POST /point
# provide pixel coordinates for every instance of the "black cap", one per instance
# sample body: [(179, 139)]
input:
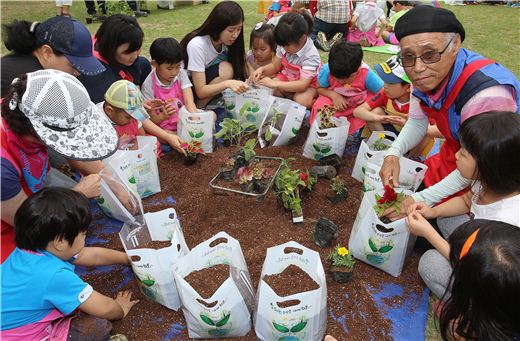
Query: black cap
[(423, 19)]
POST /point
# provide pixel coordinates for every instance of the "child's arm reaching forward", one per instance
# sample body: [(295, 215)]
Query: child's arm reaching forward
[(419, 226), (300, 85), (108, 308), (172, 139), (97, 256), (269, 69)]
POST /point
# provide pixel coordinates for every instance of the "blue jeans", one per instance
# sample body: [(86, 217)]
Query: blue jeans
[(327, 28)]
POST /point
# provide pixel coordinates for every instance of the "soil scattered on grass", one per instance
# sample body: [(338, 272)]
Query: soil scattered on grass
[(292, 280), (208, 280)]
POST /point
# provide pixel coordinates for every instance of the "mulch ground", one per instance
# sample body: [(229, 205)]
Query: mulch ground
[(353, 312)]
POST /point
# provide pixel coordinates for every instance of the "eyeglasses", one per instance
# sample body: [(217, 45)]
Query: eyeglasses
[(427, 58)]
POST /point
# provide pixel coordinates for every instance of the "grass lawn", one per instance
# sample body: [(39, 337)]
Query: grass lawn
[(490, 30)]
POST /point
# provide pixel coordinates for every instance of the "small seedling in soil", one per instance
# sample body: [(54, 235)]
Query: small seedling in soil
[(233, 130), (379, 144), (245, 179), (389, 199), (193, 150), (339, 190), (342, 264)]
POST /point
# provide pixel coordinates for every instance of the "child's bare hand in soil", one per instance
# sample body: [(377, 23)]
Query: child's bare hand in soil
[(124, 299)]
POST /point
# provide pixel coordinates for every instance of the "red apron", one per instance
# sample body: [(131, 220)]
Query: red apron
[(443, 163)]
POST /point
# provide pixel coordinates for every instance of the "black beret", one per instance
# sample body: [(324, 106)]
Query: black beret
[(424, 18)]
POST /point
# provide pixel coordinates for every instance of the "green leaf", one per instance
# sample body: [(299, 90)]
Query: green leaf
[(326, 149), (199, 134), (280, 328), (244, 108), (372, 245), (192, 135), (268, 135), (250, 143), (131, 180), (207, 320), (148, 282), (294, 131), (100, 200), (386, 248), (316, 147), (224, 320), (298, 327)]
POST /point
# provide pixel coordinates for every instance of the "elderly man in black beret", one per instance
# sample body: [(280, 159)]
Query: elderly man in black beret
[(450, 84)]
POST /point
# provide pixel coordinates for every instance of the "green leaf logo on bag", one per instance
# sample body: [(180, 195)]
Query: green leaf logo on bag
[(293, 330), (251, 118), (255, 108), (132, 180), (100, 200), (219, 331), (294, 131), (378, 256), (148, 280)]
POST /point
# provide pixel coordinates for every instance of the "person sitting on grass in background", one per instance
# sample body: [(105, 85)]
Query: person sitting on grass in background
[(124, 106), (345, 83), (363, 26), (169, 83), (297, 60), (42, 297), (388, 109), (262, 47), (485, 282), (330, 23), (215, 53), (489, 143), (400, 8)]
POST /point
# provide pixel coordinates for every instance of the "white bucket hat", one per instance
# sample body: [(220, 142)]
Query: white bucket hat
[(65, 119)]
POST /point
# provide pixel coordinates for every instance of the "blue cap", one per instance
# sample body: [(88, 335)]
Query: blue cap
[(73, 39), (391, 71)]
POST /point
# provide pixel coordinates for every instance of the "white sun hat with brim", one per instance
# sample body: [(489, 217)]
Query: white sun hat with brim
[(65, 119)]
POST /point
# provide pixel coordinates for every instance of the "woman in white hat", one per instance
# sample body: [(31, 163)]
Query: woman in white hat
[(48, 110)]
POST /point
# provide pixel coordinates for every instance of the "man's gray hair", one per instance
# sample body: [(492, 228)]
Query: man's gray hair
[(450, 37)]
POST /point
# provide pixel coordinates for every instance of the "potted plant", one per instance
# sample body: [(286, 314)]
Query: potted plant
[(272, 127), (260, 173), (380, 144), (339, 190), (227, 172), (233, 130), (246, 154), (245, 179), (342, 264), (325, 232), (389, 199), (326, 113), (288, 183), (193, 150)]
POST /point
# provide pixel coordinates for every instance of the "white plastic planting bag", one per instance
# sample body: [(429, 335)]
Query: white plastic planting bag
[(281, 124), (365, 152), (411, 173), (384, 246), (154, 268), (140, 164), (229, 98), (230, 316), (119, 200), (253, 104), (197, 126), (305, 320), (324, 142)]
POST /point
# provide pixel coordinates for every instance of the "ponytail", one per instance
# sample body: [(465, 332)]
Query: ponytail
[(19, 36), (292, 26)]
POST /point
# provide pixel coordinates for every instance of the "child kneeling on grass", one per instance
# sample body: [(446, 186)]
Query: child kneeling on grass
[(388, 109), (42, 297), (345, 83)]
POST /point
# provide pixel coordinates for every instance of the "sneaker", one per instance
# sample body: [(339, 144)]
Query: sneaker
[(118, 337), (140, 14), (337, 37), (322, 41)]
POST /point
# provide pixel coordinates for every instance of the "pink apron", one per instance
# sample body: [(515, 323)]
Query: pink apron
[(291, 72), (355, 93), (173, 94)]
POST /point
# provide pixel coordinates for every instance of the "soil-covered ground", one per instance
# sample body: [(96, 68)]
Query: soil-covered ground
[(353, 313)]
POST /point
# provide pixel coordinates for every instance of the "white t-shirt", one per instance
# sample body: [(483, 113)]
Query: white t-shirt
[(202, 54), (368, 14), (505, 210), (308, 58), (147, 87)]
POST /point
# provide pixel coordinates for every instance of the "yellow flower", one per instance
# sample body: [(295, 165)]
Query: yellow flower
[(382, 136), (342, 251)]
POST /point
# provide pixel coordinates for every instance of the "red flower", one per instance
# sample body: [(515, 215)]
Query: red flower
[(389, 196), (304, 176)]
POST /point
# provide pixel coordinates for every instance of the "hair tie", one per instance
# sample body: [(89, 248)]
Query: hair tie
[(468, 243), (258, 26), (33, 26)]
